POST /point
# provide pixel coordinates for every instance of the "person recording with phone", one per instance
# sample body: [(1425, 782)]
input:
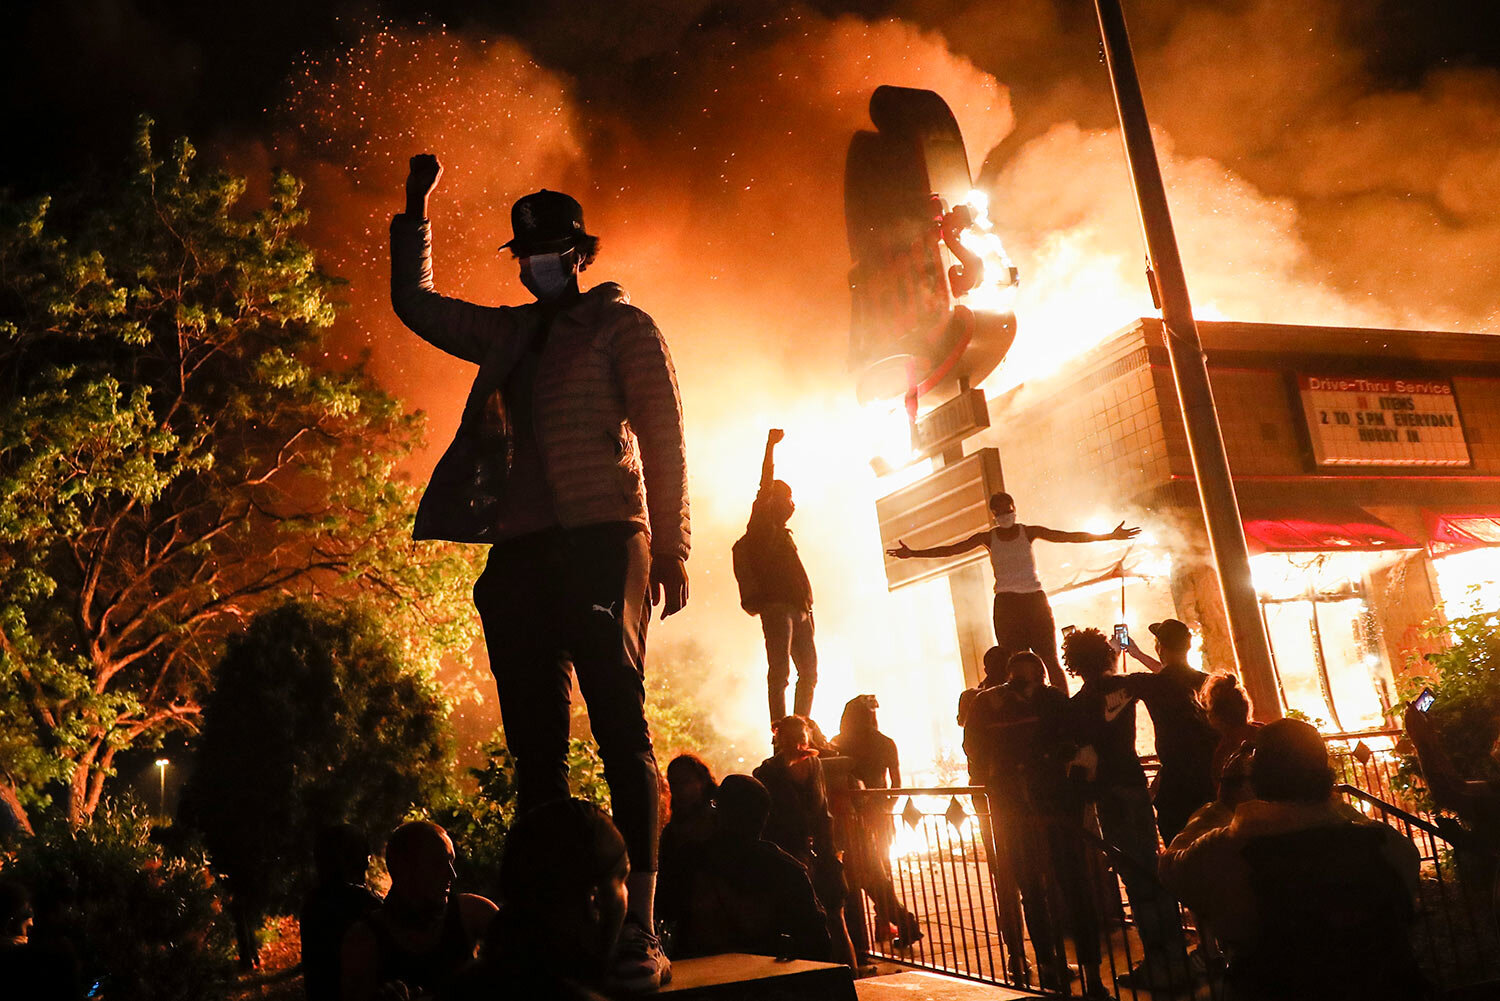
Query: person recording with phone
[(1185, 737), (1023, 616)]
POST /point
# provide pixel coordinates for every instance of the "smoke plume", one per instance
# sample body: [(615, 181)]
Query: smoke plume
[(708, 154)]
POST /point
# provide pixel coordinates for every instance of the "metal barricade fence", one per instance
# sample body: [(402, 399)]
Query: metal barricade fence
[(1456, 934), (1368, 760), (933, 885), (936, 882)]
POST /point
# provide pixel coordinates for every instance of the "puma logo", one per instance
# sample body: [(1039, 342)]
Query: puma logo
[(610, 611)]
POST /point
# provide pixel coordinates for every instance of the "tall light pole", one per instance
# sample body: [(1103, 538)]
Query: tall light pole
[(1221, 509), (161, 799)]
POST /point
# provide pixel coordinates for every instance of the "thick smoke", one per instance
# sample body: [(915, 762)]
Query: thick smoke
[(709, 158)]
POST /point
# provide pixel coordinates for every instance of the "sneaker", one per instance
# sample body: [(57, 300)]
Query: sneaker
[(640, 964)]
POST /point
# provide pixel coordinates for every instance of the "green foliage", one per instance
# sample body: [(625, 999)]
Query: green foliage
[(314, 720), (478, 812), (173, 455), (143, 920), (1465, 678), (478, 815), (679, 704)]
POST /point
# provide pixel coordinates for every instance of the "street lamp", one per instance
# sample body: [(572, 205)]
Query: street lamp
[(161, 801)]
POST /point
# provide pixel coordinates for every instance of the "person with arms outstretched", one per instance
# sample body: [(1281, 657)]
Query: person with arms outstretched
[(774, 585), (569, 462), (1023, 616)]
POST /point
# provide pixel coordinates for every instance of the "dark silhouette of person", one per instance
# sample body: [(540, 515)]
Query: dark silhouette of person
[(30, 969), (1310, 898), (1025, 742), (801, 822), (774, 585), (875, 763), (751, 896), (422, 934), (685, 837), (340, 897), (569, 461), (1105, 721), (1023, 616), (562, 909), (996, 664), (1185, 738), (1229, 714)]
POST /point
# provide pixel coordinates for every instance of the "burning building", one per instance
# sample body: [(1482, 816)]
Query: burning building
[(1367, 463)]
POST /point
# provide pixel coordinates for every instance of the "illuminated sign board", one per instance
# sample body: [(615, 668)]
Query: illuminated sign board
[(945, 507), (1382, 421)]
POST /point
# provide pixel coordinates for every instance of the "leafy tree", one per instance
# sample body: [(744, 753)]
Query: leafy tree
[(145, 922), (314, 719), (171, 459)]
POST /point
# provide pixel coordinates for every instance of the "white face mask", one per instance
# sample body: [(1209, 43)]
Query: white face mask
[(1005, 520), (549, 277)]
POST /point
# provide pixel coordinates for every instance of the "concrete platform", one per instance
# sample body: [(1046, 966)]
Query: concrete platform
[(919, 985), (742, 977)]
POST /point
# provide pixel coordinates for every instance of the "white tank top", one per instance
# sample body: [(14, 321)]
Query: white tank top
[(1015, 567)]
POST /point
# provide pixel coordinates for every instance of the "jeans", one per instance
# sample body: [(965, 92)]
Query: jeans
[(575, 597), (1126, 821), (1023, 621), (789, 640)]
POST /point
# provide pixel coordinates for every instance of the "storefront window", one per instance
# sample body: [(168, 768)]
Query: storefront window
[(1469, 581), (1319, 626)]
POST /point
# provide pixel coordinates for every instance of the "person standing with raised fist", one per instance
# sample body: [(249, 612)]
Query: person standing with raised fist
[(569, 463), (774, 586)]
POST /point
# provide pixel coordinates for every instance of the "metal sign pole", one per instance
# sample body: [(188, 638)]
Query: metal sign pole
[(1221, 511)]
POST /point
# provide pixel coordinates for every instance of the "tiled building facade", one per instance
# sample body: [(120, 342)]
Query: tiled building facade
[(1360, 556)]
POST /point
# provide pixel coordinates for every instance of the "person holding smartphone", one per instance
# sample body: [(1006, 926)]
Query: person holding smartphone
[(1023, 616)]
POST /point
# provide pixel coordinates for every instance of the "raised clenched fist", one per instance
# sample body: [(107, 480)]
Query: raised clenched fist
[(422, 177)]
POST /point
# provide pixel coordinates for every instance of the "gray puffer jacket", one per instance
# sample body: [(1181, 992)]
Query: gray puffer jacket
[(608, 415)]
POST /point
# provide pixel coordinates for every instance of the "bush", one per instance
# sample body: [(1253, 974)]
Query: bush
[(145, 921), (1465, 678), (315, 720)]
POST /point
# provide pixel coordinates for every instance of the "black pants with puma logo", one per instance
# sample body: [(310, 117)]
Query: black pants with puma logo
[(575, 598)]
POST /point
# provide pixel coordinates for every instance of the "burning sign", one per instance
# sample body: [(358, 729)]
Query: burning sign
[(920, 323)]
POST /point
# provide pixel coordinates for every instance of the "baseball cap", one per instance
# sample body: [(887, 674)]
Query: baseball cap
[(1171, 632), (544, 222)]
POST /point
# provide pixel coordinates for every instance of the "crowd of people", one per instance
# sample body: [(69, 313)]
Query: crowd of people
[(1291, 890), (770, 863), (569, 463), (1295, 894)]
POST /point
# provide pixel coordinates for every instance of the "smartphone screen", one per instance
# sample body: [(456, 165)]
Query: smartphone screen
[(1069, 630), (1122, 634), (1425, 700)]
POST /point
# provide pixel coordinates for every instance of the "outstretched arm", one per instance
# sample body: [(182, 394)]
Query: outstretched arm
[(768, 464), (1053, 535), (904, 552), (460, 328), (1147, 661)]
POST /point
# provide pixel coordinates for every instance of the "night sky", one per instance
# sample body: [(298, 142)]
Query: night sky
[(77, 72), (1327, 162)]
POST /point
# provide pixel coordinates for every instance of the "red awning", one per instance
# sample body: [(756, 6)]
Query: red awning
[(1322, 529), (1465, 530)]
